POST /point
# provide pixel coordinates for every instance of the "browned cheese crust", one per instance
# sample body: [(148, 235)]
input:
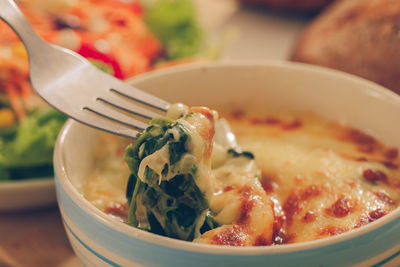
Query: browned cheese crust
[(361, 37)]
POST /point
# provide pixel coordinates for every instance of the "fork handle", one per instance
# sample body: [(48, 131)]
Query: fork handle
[(11, 14)]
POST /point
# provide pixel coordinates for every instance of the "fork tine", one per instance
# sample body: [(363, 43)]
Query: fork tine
[(116, 116), (93, 120), (140, 96), (120, 102)]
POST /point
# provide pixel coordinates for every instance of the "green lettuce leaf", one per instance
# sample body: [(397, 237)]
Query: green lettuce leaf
[(175, 23), (29, 153)]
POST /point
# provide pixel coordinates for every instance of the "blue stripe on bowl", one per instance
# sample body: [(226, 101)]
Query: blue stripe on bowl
[(388, 259), (347, 252), (85, 261), (110, 262)]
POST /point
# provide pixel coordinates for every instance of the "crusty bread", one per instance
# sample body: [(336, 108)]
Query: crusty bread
[(357, 36), (303, 6)]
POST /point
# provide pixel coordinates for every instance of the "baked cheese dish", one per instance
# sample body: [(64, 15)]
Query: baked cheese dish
[(305, 178)]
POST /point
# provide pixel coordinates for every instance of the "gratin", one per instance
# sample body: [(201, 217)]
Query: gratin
[(310, 178)]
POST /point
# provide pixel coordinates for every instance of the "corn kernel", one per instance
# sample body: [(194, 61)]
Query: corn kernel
[(19, 50), (7, 118)]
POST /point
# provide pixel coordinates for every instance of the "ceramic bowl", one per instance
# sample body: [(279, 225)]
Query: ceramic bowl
[(99, 240)]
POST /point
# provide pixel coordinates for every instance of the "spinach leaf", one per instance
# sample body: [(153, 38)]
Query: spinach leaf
[(171, 205)]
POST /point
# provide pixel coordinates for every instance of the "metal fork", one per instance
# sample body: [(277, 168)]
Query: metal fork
[(72, 85)]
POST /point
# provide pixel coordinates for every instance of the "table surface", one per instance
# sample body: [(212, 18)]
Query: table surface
[(37, 237)]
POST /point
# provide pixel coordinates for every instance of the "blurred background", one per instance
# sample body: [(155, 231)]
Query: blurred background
[(128, 37)]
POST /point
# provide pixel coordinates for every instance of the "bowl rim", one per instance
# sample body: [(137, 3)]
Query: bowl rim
[(135, 233)]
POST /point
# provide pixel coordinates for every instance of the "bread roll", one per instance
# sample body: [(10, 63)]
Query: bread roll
[(304, 6), (357, 36)]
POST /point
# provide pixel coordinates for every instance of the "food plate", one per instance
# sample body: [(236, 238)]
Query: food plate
[(27, 194)]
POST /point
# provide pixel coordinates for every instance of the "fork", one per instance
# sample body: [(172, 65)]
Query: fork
[(75, 87)]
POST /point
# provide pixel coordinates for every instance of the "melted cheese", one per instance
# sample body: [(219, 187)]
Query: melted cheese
[(240, 205), (239, 202), (105, 187), (201, 131), (325, 178)]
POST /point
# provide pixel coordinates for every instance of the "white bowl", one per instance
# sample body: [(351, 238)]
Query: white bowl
[(99, 240)]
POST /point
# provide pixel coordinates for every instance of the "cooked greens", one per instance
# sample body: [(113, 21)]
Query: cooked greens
[(162, 191)]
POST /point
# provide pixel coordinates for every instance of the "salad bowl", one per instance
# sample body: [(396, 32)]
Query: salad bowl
[(100, 240)]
